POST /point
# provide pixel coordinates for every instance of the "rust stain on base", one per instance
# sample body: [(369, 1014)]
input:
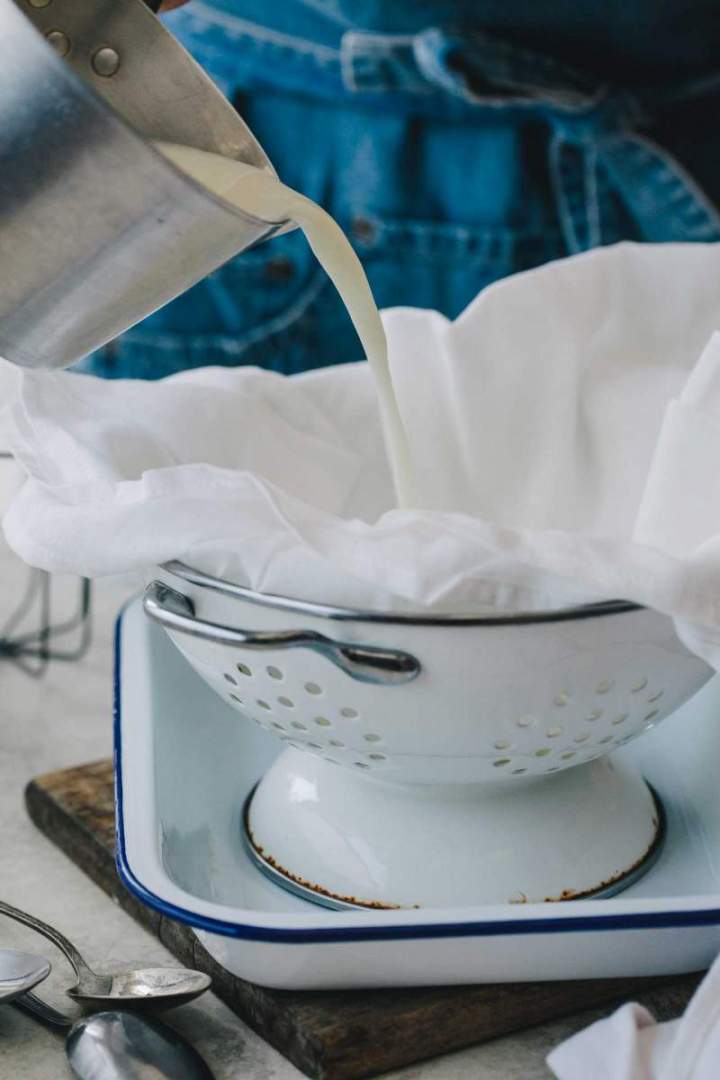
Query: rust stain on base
[(374, 905), (380, 905), (571, 894), (584, 894)]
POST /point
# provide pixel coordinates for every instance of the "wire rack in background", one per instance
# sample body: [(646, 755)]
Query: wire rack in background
[(34, 647), (31, 638)]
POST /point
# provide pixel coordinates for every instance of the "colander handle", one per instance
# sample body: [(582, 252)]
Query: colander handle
[(366, 663)]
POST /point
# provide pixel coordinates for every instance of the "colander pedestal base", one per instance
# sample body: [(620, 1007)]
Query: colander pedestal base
[(347, 840)]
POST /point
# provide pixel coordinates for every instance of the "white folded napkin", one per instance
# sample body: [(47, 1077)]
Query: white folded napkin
[(631, 1045), (564, 431)]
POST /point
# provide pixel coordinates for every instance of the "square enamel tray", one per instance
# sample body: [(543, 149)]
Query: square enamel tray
[(185, 763)]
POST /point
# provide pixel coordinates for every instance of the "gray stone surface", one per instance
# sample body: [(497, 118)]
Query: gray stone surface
[(64, 719)]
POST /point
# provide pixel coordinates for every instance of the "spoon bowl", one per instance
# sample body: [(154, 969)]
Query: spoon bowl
[(121, 1045), (138, 987), (20, 972), (116, 1045), (143, 986)]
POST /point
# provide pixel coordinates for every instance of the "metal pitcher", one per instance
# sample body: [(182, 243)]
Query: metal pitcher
[(98, 229)]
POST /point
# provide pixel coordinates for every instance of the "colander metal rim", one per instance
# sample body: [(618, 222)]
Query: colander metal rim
[(177, 568)]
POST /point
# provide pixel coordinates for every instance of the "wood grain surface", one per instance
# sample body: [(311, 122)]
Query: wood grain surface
[(330, 1035)]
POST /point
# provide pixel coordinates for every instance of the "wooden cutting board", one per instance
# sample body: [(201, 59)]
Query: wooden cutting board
[(329, 1035)]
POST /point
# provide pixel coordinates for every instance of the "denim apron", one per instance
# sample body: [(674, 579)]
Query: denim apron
[(451, 159)]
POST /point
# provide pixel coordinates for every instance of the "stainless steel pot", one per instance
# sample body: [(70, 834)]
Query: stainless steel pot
[(97, 229)]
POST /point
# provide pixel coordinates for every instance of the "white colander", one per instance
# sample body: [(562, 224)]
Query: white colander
[(436, 760)]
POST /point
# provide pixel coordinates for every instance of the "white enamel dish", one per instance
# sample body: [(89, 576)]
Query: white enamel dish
[(185, 767)]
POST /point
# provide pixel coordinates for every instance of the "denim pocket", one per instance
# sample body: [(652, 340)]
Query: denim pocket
[(442, 265)]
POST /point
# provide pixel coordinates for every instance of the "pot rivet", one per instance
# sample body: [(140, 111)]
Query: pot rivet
[(59, 41), (105, 61)]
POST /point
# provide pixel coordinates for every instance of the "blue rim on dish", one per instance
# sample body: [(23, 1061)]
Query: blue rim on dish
[(316, 935)]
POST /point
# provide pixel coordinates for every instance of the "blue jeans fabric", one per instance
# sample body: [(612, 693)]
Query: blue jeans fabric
[(450, 157)]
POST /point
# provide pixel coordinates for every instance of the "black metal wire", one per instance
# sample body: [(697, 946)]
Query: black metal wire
[(33, 650)]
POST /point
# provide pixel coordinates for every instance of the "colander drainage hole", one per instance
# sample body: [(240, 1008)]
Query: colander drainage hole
[(517, 772), (553, 732), (274, 672), (582, 738), (639, 685), (620, 719), (501, 761), (502, 745), (313, 688), (568, 754), (652, 715), (287, 702), (655, 697), (604, 687), (594, 715), (244, 669), (322, 721), (229, 678), (336, 743), (297, 725), (278, 726), (361, 765), (349, 713), (377, 757), (561, 699), (543, 751), (263, 704), (371, 737), (236, 698)]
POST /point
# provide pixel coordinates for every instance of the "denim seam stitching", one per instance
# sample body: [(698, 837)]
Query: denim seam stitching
[(558, 172), (671, 175), (592, 204), (263, 35)]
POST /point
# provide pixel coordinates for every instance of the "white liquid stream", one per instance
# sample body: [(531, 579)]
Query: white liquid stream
[(263, 196)]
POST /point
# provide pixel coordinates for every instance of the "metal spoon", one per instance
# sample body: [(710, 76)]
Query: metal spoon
[(159, 987), (19, 972), (35, 1006), (121, 1046), (126, 1046)]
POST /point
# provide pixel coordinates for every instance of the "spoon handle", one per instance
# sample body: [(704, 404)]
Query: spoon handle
[(65, 946), (35, 1006)]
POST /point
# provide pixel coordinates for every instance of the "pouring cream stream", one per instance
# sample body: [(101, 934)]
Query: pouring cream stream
[(260, 194)]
